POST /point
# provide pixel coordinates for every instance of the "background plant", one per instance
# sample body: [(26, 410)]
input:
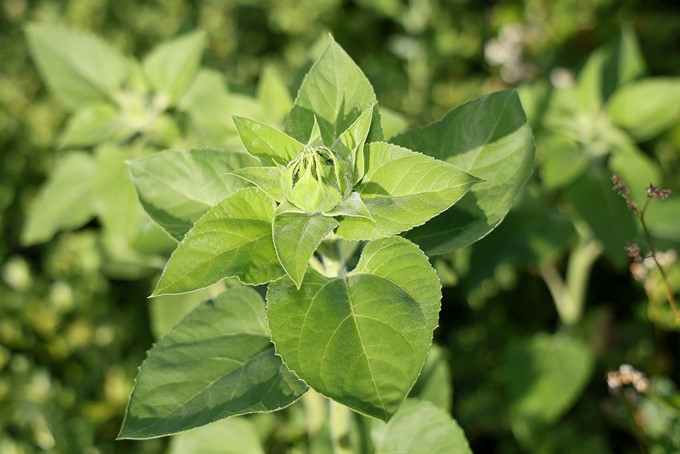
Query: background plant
[(436, 57)]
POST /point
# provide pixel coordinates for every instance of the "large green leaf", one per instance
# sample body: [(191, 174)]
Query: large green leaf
[(217, 362), (266, 178), (79, 68), (178, 187), (545, 375), (647, 107), (233, 239), (296, 237), (335, 92), (420, 426), (266, 143), (65, 201), (402, 189), (489, 138), (360, 339), (173, 65)]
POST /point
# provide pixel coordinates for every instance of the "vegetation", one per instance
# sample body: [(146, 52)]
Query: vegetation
[(546, 340)]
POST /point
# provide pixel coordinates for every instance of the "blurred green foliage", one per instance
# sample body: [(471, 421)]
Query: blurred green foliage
[(549, 283)]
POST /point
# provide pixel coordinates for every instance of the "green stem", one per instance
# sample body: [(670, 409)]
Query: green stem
[(339, 424), (570, 296)]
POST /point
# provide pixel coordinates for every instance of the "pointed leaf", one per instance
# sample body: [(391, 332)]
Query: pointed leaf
[(350, 144), (178, 187), (172, 66), (646, 108), (419, 424), (360, 339), (233, 239), (336, 92), (623, 62), (402, 189), (266, 178), (296, 237), (489, 138), (217, 362), (91, 125), (65, 201), (266, 143), (79, 68), (273, 95), (351, 206)]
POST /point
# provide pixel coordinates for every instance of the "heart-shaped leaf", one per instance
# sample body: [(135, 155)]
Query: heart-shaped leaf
[(360, 339), (233, 239), (402, 189), (217, 362)]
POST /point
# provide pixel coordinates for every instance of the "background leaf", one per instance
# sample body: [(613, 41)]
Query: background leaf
[(91, 125), (79, 68), (360, 339), (489, 138), (233, 239), (402, 189), (552, 374), (178, 187), (217, 362), (241, 433), (173, 65), (336, 92), (420, 426), (647, 107), (65, 201)]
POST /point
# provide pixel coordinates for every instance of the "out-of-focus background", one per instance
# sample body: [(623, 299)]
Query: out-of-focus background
[(534, 316)]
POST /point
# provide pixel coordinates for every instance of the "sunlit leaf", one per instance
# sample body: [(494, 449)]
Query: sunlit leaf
[(360, 339), (233, 239)]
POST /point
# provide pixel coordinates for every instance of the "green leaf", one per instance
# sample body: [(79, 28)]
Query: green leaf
[(268, 144), (360, 339), (646, 108), (79, 68), (638, 171), (296, 237), (591, 197), (65, 201), (402, 189), (350, 144), (217, 362), (240, 431), (233, 239), (172, 66), (420, 426), (178, 187), (337, 93), (623, 62), (351, 206), (489, 138), (91, 125), (434, 383), (266, 178), (392, 123), (545, 375), (273, 95)]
